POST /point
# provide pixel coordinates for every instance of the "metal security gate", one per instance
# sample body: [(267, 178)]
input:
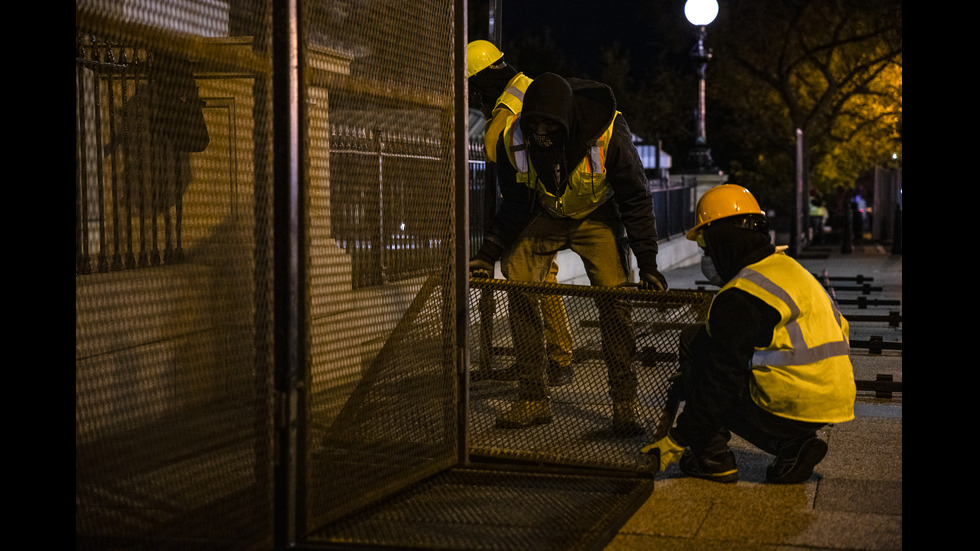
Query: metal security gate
[(566, 485), (580, 433), (271, 350), (174, 362), (501, 509)]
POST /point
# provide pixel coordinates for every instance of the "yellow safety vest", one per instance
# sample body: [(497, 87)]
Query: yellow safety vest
[(805, 373), (587, 187), (508, 104)]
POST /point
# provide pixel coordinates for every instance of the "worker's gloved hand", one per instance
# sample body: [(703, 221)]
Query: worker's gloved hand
[(480, 267), (668, 451), (652, 280)]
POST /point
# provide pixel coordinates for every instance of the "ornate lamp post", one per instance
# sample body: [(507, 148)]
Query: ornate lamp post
[(701, 13)]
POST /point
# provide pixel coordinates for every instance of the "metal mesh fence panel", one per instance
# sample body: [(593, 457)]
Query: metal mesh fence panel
[(563, 485), (581, 431), (481, 509), (398, 424), (182, 392), (173, 286), (380, 113)]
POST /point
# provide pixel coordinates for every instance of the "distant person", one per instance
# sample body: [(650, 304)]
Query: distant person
[(859, 208), (771, 364), (818, 219), (500, 88), (572, 179)]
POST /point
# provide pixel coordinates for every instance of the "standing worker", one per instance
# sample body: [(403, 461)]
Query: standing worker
[(572, 180), (771, 364), (500, 89)]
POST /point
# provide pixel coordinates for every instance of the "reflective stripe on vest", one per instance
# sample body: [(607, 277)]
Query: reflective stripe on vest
[(517, 148), (805, 372), (510, 102), (800, 353), (512, 98)]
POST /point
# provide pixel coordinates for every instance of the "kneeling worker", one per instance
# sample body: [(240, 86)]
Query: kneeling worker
[(771, 364)]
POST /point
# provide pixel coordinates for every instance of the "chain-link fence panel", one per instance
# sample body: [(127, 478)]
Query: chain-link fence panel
[(399, 423), (173, 284), (592, 401), (380, 123), (214, 410), (485, 509), (564, 484)]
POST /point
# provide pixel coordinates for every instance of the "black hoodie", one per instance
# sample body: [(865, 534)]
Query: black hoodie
[(584, 109), (738, 323), (732, 247)]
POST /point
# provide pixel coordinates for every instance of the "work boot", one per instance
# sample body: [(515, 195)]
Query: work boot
[(720, 467), (795, 464), (524, 413), (626, 418), (559, 375)]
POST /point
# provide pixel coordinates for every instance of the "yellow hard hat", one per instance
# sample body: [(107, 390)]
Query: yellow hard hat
[(721, 202), (481, 54)]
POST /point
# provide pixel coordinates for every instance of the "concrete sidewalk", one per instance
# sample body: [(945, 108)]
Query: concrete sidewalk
[(854, 499)]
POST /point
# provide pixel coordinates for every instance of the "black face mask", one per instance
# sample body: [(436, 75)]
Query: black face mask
[(475, 99), (547, 154), (551, 141), (547, 151), (548, 100), (732, 248)]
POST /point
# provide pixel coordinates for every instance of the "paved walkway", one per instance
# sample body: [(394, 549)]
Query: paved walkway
[(854, 499)]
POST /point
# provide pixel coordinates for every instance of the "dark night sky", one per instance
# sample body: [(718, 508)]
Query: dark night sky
[(581, 27)]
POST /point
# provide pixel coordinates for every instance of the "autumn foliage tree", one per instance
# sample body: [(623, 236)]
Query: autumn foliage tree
[(830, 68)]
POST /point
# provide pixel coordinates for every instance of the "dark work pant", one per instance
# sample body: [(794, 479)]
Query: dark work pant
[(770, 433)]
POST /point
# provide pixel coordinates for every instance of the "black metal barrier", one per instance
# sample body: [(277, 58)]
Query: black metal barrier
[(883, 385), (494, 509), (582, 410), (876, 344), (568, 484)]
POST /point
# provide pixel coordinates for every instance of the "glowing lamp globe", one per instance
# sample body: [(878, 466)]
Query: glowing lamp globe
[(701, 12)]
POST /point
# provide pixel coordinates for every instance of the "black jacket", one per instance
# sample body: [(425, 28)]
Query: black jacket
[(739, 323)]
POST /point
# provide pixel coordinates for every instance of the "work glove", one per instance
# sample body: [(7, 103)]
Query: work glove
[(668, 452), (481, 268), (652, 280), (481, 265)]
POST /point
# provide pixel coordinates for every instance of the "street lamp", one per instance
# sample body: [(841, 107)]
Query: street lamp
[(701, 13)]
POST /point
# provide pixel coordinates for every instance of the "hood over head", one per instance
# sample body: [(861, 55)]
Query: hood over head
[(733, 244), (583, 109), (548, 97), (593, 110)]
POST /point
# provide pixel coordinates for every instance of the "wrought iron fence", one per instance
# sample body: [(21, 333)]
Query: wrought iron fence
[(378, 217), (483, 193), (673, 205), (137, 119)]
